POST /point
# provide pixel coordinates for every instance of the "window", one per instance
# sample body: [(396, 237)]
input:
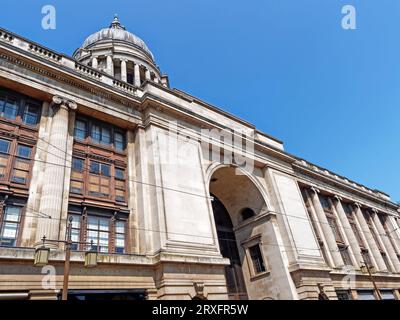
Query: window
[(10, 226), (344, 252), (366, 295), (98, 231), (247, 213), (80, 130), (8, 107), (120, 185), (31, 114), (343, 295), (99, 133), (335, 228), (22, 164), (119, 236), (75, 232), (348, 210), (101, 230), (387, 295), (77, 176), (325, 203), (366, 257), (14, 106), (257, 259), (119, 142), (4, 156), (99, 179)]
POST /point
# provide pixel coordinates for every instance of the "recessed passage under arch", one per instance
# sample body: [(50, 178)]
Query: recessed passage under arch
[(232, 195)]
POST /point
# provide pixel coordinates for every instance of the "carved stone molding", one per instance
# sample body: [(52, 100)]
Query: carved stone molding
[(315, 190), (61, 102), (199, 288), (337, 198)]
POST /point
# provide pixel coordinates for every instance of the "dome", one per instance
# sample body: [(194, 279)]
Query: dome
[(117, 32)]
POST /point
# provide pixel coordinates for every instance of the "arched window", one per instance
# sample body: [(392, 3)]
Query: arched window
[(247, 213)]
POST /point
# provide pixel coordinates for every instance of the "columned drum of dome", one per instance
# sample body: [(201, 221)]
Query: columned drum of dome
[(121, 54)]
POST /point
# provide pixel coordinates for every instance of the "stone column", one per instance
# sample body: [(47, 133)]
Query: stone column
[(110, 66), (156, 79), (54, 172), (137, 75), (353, 242), (387, 244), (95, 62), (123, 70), (394, 230), (148, 75), (374, 250), (326, 229), (317, 226)]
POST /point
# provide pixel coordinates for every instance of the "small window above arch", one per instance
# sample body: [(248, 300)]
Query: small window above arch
[(247, 213)]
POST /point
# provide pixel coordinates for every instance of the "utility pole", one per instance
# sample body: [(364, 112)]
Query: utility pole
[(67, 260), (42, 256), (378, 293)]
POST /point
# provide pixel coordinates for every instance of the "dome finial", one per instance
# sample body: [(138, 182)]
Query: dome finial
[(116, 24)]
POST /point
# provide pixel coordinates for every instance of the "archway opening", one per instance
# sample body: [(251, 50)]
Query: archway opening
[(236, 200)]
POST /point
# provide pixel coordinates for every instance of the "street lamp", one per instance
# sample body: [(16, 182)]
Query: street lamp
[(42, 257), (91, 257)]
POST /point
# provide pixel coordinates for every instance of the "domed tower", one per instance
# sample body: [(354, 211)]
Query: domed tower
[(121, 54)]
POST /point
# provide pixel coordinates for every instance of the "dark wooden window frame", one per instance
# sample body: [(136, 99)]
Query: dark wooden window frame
[(90, 122), (13, 159), (23, 102), (86, 173)]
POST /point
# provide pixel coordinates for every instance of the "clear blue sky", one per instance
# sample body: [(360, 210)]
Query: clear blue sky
[(331, 95)]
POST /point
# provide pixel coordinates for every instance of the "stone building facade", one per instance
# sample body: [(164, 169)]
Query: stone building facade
[(180, 199)]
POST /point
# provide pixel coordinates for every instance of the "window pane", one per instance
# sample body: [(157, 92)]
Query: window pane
[(105, 135), (2, 102), (94, 167), (77, 164), (103, 224), (30, 114), (119, 141), (105, 170), (120, 227), (325, 203), (12, 213), (80, 129), (119, 173), (96, 133), (19, 176), (24, 151), (256, 257), (10, 230), (4, 146), (10, 109)]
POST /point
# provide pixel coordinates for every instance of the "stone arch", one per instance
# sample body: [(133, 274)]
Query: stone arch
[(233, 190)]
